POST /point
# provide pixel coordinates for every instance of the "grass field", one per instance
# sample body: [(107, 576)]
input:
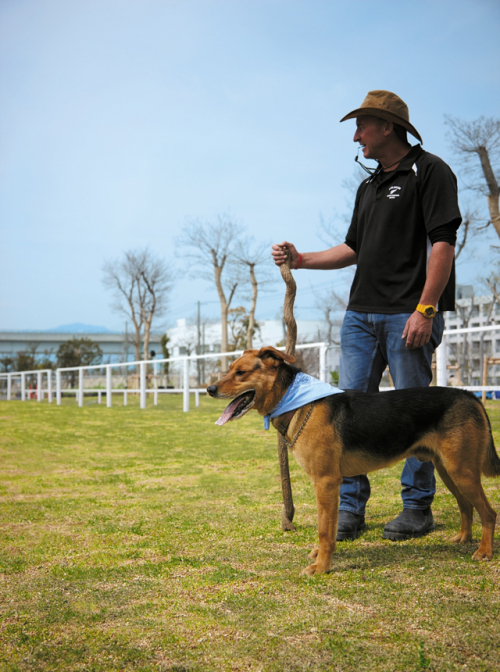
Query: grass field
[(151, 540)]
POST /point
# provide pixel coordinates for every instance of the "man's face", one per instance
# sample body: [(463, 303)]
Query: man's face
[(371, 135)]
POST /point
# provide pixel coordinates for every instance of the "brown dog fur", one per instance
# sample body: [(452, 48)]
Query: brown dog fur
[(330, 446)]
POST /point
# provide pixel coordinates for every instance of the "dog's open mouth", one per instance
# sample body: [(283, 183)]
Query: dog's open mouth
[(238, 407)]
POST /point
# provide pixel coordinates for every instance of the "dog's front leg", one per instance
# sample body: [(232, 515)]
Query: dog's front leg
[(327, 497)]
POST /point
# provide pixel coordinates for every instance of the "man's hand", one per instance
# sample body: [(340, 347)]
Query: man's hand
[(417, 331), (279, 255)]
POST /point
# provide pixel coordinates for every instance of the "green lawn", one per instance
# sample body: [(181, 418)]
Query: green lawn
[(151, 540)]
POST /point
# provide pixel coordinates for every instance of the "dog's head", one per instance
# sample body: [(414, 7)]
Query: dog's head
[(258, 379)]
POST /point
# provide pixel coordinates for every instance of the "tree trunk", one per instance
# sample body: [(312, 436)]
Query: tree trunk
[(224, 336), (147, 336), (493, 188), (137, 342), (494, 212), (251, 315), (291, 340), (223, 312)]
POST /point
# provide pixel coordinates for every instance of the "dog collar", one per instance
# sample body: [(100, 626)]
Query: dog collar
[(284, 421)]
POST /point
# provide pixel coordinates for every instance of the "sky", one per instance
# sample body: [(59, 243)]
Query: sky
[(123, 120)]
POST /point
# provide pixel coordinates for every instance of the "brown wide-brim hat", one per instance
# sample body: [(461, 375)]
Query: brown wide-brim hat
[(388, 106)]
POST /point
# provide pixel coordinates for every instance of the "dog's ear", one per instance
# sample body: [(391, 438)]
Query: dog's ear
[(268, 352)]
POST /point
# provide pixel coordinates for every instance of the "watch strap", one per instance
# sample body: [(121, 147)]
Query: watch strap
[(427, 311)]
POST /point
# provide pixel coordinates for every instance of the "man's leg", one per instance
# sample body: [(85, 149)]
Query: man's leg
[(411, 368), (361, 368)]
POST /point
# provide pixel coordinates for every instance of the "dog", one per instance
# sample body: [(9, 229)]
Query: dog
[(351, 433)]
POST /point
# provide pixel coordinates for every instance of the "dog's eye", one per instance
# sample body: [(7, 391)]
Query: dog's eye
[(240, 373)]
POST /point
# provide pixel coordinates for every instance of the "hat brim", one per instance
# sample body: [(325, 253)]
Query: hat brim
[(384, 114)]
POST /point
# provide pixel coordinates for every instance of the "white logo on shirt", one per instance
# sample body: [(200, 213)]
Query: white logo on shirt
[(393, 192)]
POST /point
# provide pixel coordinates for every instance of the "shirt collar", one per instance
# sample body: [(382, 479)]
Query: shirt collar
[(404, 165)]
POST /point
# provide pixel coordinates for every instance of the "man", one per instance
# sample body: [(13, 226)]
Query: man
[(402, 237)]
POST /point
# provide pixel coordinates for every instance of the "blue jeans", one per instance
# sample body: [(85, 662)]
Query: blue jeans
[(368, 343)]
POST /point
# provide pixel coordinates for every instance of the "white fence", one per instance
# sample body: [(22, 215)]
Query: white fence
[(28, 392), (39, 384), (442, 357), (78, 373)]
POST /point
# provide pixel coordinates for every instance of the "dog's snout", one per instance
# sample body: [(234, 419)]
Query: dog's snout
[(212, 390)]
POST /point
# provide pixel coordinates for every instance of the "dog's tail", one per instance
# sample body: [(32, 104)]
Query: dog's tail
[(491, 465)]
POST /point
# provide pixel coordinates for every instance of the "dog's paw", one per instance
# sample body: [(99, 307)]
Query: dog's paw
[(311, 570), (313, 554), (482, 554), (461, 538)]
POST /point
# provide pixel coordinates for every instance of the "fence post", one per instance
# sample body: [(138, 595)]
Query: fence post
[(142, 384), (125, 396), (80, 387), (441, 360), (322, 362), (58, 387), (109, 401), (9, 386), (185, 406), (49, 386), (197, 397), (23, 387), (38, 385), (155, 371), (485, 378)]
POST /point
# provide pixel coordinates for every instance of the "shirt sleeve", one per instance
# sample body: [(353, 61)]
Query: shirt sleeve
[(439, 196), (351, 239), (447, 233)]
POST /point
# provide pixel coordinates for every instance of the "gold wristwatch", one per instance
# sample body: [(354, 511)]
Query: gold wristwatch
[(427, 311)]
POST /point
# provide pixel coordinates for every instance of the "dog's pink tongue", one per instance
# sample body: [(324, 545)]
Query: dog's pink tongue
[(228, 412)]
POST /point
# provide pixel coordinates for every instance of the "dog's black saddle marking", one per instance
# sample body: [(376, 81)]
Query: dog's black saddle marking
[(386, 424)]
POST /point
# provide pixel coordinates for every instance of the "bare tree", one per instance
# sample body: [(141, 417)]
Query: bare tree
[(330, 303), (211, 247), (477, 145), (493, 283), (140, 282), (472, 225), (332, 231), (255, 257)]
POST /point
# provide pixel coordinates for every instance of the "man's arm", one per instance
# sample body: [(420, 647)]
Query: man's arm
[(339, 256), (418, 328)]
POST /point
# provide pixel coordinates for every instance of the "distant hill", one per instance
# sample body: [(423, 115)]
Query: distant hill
[(79, 328)]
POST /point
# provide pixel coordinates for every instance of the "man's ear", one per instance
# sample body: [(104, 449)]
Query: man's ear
[(268, 352)]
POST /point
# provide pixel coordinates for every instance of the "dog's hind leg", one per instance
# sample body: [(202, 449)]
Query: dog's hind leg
[(466, 509), (327, 497), (468, 481)]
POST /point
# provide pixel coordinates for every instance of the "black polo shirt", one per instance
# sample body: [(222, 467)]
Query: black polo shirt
[(394, 215)]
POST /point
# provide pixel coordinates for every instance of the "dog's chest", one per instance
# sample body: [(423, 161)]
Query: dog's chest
[(301, 455)]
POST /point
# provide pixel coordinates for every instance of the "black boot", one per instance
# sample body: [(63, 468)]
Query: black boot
[(350, 525), (410, 524)]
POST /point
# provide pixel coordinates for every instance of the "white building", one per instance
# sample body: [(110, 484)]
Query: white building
[(467, 351)]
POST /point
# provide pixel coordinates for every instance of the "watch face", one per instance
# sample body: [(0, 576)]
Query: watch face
[(429, 311)]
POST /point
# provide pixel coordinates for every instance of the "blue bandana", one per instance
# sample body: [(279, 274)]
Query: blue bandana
[(302, 391)]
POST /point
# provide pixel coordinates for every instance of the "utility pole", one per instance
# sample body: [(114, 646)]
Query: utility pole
[(125, 345), (203, 361), (198, 348)]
